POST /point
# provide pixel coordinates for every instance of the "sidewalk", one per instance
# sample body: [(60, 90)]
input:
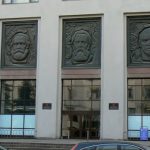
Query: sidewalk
[(60, 141)]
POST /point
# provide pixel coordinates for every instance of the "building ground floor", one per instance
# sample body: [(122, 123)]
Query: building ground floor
[(81, 109)]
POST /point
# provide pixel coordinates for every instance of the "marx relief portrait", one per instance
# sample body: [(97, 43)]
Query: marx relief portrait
[(19, 44), (139, 41), (81, 43)]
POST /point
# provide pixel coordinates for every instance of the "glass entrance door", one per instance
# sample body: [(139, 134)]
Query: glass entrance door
[(82, 125), (81, 109)]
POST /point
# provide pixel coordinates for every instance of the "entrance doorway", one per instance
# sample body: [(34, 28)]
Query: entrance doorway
[(81, 109)]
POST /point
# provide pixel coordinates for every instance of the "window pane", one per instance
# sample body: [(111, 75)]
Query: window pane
[(29, 121), (17, 121), (146, 121), (95, 121), (18, 97), (29, 106), (134, 134), (17, 131), (146, 93), (67, 93), (134, 107), (145, 107), (129, 147), (95, 93), (146, 81), (66, 121), (29, 132), (6, 93), (81, 82), (107, 147), (6, 108), (81, 93), (134, 93), (134, 122), (90, 148), (134, 82), (66, 105), (96, 105), (67, 82), (80, 105), (5, 121), (96, 82), (18, 107)]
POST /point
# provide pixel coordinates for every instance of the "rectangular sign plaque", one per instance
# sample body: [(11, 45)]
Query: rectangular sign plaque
[(113, 106), (47, 106)]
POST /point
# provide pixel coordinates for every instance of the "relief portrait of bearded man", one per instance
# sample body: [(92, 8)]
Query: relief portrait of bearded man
[(19, 46)]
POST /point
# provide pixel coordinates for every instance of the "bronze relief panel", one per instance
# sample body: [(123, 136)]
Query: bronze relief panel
[(81, 43), (138, 41), (19, 44)]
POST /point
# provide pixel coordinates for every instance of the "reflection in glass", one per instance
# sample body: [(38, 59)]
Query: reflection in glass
[(145, 107), (146, 121), (146, 81), (80, 105), (95, 93), (81, 82), (96, 105), (81, 93), (67, 93), (81, 98), (5, 121), (66, 105), (138, 106), (17, 132), (134, 93), (134, 81), (96, 82), (134, 134), (130, 93), (17, 121), (29, 121), (146, 92), (29, 132), (134, 122), (95, 120), (67, 83), (17, 99), (134, 108)]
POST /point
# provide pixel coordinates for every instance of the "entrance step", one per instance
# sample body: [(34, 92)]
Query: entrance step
[(35, 146)]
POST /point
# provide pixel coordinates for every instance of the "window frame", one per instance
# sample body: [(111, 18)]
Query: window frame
[(13, 2)]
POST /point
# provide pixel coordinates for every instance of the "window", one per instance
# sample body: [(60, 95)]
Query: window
[(19, 1), (17, 107), (138, 106), (81, 108), (107, 147), (129, 147)]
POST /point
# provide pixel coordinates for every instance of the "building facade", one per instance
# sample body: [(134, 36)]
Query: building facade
[(74, 68)]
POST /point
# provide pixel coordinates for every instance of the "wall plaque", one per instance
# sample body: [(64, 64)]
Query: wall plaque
[(47, 106), (113, 106), (138, 41), (19, 44), (81, 43)]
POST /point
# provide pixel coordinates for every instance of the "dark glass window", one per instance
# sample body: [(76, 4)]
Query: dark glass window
[(81, 108), (17, 107)]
